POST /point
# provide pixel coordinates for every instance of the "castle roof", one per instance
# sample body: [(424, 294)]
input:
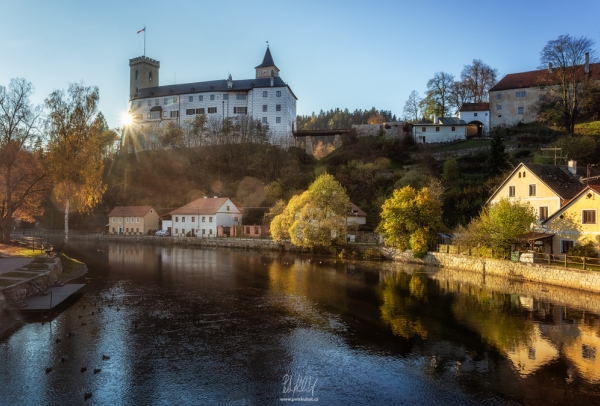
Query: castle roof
[(474, 107), (242, 85), (540, 77), (267, 60)]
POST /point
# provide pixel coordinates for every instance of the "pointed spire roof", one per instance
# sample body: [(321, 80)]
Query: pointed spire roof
[(267, 60)]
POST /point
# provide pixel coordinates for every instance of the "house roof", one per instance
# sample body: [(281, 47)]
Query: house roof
[(267, 60), (584, 191), (444, 121), (474, 107), (356, 211), (242, 85), (203, 206), (536, 78), (122, 211), (563, 183)]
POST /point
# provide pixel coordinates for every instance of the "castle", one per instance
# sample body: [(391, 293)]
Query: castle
[(266, 97)]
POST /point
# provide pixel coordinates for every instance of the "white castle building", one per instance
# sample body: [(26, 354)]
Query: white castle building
[(266, 97)]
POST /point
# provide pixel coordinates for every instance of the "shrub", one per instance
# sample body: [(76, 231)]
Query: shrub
[(584, 250), (372, 254)]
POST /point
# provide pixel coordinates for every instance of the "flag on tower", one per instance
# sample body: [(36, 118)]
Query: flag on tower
[(142, 30)]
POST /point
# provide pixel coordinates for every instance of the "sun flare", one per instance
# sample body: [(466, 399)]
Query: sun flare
[(126, 119)]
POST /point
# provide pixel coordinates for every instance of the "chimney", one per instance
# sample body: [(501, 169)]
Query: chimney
[(587, 62), (572, 166), (435, 119), (549, 67)]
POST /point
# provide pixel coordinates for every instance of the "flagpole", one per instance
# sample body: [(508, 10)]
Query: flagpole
[(144, 40)]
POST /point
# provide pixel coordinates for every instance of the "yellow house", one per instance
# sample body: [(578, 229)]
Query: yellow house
[(132, 220), (546, 187), (577, 221)]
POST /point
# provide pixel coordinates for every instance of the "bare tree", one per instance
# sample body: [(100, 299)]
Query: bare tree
[(567, 55), (478, 78), (18, 121), (411, 107), (459, 94)]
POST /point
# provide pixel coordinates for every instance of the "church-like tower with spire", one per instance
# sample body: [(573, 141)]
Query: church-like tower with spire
[(266, 97)]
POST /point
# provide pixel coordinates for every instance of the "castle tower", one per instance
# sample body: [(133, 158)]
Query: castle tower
[(267, 66), (143, 72)]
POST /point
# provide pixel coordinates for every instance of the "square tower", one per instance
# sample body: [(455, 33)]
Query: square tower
[(143, 73)]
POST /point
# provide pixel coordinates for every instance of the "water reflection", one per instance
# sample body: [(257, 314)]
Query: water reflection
[(216, 327)]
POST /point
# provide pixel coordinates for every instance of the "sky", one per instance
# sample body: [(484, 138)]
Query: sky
[(333, 54)]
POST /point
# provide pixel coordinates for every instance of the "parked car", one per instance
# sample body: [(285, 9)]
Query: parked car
[(162, 233)]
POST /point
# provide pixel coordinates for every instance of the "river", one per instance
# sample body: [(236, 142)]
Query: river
[(193, 326)]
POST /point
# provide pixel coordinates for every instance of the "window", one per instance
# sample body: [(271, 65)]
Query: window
[(543, 213), (423, 129), (225, 96), (127, 229), (235, 219), (137, 229), (265, 94), (437, 129), (150, 76), (166, 101), (264, 120), (193, 219), (278, 93), (177, 219), (139, 103), (203, 219), (209, 219), (174, 114), (227, 208), (154, 115), (212, 110), (499, 96), (149, 103), (588, 217), (278, 120), (190, 112), (174, 100), (521, 94), (475, 115), (247, 230), (120, 219), (113, 229), (521, 110), (113, 220), (156, 102), (200, 98), (511, 191), (212, 96), (137, 75), (203, 231), (210, 231), (191, 99), (176, 231), (531, 190), (278, 107), (137, 219), (566, 245), (256, 230), (499, 107), (265, 107), (453, 128), (240, 110), (200, 111), (240, 97)]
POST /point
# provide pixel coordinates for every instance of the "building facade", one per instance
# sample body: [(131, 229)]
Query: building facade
[(443, 129), (477, 117), (266, 97), (132, 220), (203, 218)]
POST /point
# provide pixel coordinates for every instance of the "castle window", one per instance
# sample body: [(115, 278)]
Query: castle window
[(278, 93), (212, 97), (166, 101), (212, 110), (200, 98), (174, 99), (149, 103), (174, 114), (265, 107), (499, 96), (240, 110), (190, 112), (521, 110), (200, 111), (278, 107), (150, 76), (225, 96), (264, 120), (240, 97), (156, 102), (278, 120), (137, 75), (265, 94), (499, 107), (154, 115), (191, 99)]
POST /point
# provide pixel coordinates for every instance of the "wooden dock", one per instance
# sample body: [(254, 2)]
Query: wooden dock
[(56, 295)]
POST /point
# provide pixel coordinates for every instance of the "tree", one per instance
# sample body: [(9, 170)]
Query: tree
[(316, 218), (497, 158), (74, 154), (451, 170), (411, 219), (437, 98), (499, 225), (411, 107), (567, 56), (478, 78), (18, 127)]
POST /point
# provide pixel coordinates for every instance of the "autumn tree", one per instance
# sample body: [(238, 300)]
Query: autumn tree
[(411, 219), (18, 127), (437, 98), (74, 154), (567, 56), (411, 107), (316, 218)]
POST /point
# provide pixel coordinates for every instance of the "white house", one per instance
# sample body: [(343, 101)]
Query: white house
[(204, 217), (443, 129), (266, 97), (477, 117), (356, 215)]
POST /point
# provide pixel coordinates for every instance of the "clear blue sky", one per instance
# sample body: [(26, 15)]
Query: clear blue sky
[(346, 54)]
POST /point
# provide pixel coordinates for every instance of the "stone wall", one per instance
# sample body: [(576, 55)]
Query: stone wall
[(544, 274)]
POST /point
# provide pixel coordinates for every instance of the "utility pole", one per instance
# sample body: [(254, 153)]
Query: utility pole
[(553, 149)]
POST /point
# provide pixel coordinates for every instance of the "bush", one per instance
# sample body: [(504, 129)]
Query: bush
[(522, 153), (585, 250), (372, 254)]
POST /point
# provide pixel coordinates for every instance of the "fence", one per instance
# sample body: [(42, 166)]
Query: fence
[(561, 260)]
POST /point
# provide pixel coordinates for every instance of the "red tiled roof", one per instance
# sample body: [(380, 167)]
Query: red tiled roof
[(356, 211), (123, 211), (535, 78), (474, 107), (202, 206)]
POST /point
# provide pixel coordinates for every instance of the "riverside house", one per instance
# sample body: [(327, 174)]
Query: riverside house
[(132, 220), (204, 217)]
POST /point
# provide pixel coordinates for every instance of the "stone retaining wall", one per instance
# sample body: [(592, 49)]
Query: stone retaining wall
[(24, 289), (544, 274)]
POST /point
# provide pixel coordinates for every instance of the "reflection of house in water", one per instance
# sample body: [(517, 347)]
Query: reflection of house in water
[(529, 356), (132, 256)]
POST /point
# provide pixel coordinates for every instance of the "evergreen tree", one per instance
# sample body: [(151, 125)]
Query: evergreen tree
[(497, 159)]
